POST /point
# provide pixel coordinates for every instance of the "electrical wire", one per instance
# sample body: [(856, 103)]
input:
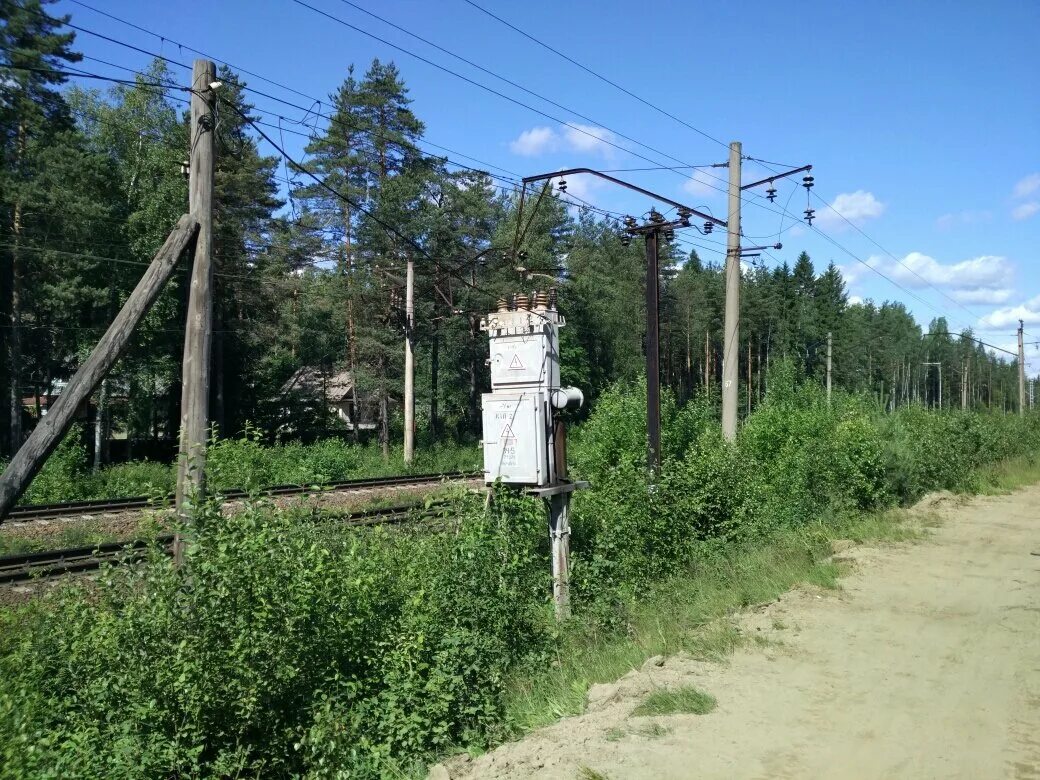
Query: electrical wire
[(597, 75), (578, 128), (423, 59)]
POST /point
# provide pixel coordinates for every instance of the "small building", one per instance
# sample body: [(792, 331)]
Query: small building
[(312, 388)]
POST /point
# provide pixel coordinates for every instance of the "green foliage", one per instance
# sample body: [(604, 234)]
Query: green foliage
[(242, 463), (797, 460), (288, 649), (66, 466), (292, 648), (674, 701)]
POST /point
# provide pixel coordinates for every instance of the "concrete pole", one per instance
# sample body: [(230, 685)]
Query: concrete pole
[(829, 345), (964, 387), (731, 338), (560, 536), (1021, 370), (198, 334), (409, 365), (560, 526)]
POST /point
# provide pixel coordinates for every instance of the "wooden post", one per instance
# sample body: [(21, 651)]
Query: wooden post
[(194, 433), (52, 427)]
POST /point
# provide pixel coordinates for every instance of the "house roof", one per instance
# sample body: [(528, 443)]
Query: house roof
[(338, 385)]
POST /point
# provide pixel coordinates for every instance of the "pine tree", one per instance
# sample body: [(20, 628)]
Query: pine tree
[(33, 117)]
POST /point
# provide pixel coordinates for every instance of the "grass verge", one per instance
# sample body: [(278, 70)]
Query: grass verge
[(692, 612), (1007, 475), (675, 701)]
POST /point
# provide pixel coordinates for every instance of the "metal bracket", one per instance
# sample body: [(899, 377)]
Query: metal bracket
[(557, 489)]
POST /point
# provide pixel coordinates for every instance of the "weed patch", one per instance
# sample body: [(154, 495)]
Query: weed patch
[(675, 701)]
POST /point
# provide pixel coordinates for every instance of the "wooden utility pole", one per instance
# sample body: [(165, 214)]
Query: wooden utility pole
[(409, 364), (30, 458), (1021, 371), (829, 346), (198, 334), (731, 337)]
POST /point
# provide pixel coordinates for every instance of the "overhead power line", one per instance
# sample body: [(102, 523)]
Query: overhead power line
[(311, 110), (307, 110), (599, 76), (863, 233), (186, 47), (599, 138), (516, 85)]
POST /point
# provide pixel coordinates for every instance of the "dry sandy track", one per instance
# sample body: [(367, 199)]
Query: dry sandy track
[(925, 665)]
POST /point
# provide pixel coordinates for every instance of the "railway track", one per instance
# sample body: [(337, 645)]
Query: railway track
[(49, 564), (32, 512)]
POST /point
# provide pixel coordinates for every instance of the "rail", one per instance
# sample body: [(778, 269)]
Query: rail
[(31, 512), (48, 564)]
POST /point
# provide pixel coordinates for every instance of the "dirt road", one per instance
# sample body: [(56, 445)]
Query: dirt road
[(926, 664)]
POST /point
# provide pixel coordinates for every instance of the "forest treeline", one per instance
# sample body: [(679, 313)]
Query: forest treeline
[(91, 183)]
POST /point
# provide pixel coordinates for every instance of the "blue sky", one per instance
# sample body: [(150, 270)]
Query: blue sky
[(920, 119)]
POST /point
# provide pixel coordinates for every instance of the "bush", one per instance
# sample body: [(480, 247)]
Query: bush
[(289, 649)]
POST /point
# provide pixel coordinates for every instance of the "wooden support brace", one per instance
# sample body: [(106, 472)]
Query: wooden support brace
[(30, 458)]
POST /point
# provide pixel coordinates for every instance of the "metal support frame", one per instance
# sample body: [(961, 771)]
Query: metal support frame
[(775, 176), (628, 185)]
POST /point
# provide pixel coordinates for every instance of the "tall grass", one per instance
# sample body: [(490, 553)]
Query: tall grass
[(237, 463)]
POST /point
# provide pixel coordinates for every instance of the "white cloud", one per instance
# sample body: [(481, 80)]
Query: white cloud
[(857, 207), (537, 140), (853, 273), (586, 139), (983, 295), (589, 138), (986, 271), (1028, 312), (1025, 210), (855, 300), (582, 185), (703, 185), (1027, 186), (969, 217)]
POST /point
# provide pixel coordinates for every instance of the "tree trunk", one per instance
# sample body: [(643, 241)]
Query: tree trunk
[(435, 365), (473, 421), (352, 358), (100, 434), (14, 351), (384, 423), (218, 399)]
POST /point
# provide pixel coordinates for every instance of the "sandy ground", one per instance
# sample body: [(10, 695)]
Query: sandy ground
[(926, 664)]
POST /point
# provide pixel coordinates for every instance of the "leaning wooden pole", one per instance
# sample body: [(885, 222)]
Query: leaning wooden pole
[(198, 334), (30, 458)]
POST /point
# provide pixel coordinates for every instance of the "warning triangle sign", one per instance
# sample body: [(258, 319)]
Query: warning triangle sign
[(507, 433), (516, 364)]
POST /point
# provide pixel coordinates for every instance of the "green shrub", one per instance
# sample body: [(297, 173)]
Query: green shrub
[(295, 649), (289, 649)]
